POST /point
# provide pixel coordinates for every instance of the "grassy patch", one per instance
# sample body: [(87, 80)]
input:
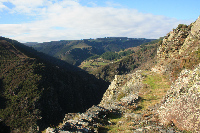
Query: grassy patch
[(102, 63), (121, 95), (81, 45), (155, 87), (116, 125), (91, 65)]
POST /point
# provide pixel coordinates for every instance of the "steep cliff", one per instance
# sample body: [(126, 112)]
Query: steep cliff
[(181, 104), (179, 50)]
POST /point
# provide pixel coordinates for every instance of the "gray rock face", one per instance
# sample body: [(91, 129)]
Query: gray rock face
[(181, 104), (195, 30), (130, 99), (123, 90), (178, 49)]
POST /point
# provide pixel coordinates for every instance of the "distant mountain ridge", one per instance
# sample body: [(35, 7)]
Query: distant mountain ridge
[(76, 51)]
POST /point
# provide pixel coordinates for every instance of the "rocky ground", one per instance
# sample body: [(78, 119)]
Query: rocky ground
[(97, 118), (117, 113)]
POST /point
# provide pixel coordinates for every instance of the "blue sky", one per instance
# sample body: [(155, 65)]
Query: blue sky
[(51, 20)]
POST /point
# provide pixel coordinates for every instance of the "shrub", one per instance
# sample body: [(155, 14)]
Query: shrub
[(180, 26)]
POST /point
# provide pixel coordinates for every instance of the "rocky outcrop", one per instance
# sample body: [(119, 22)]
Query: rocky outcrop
[(178, 55), (181, 104), (120, 96), (179, 50), (87, 122), (195, 30), (123, 90)]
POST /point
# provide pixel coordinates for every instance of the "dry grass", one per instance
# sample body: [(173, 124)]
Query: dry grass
[(118, 125)]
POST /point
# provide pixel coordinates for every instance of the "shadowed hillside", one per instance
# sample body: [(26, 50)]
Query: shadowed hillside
[(38, 89)]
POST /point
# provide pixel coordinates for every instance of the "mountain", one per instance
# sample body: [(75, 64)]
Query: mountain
[(76, 51), (162, 98), (37, 90)]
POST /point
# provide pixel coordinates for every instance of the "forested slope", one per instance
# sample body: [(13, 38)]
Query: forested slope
[(36, 91), (76, 51), (142, 58)]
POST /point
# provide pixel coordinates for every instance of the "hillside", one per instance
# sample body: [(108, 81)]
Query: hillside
[(143, 57), (36, 90), (76, 51), (163, 99)]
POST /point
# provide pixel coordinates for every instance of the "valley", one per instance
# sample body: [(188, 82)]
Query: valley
[(112, 84), (151, 97)]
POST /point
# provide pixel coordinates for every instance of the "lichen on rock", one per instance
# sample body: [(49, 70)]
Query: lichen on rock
[(181, 104), (122, 90)]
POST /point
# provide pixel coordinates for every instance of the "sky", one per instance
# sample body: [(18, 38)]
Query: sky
[(53, 20)]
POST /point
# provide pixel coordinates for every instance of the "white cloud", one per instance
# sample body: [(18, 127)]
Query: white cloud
[(3, 7), (83, 22)]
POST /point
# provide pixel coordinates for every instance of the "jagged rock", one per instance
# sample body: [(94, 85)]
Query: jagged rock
[(181, 104), (123, 90), (133, 116), (177, 50), (195, 30), (128, 100)]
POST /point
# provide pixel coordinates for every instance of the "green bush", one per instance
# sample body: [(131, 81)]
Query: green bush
[(180, 26)]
